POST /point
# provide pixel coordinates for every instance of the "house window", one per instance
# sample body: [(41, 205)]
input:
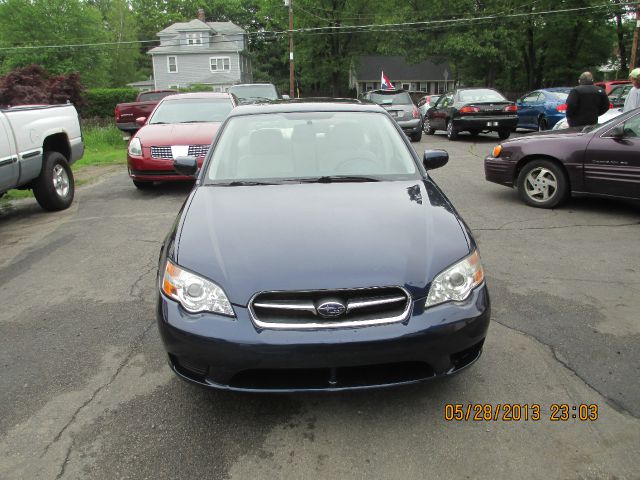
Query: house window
[(369, 86), (172, 64), (406, 86), (219, 64), (194, 39)]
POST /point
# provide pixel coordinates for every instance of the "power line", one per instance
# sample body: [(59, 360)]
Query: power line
[(341, 29)]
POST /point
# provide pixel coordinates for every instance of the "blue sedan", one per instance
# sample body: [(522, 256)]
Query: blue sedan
[(542, 109)]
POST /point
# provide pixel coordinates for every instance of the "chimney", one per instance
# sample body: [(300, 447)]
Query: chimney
[(201, 16)]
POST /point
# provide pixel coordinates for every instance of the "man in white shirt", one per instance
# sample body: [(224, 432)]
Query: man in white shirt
[(633, 99)]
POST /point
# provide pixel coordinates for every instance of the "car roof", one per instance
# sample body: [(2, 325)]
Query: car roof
[(251, 85), (178, 96), (555, 89), (301, 105)]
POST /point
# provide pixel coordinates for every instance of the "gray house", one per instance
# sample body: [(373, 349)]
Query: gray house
[(427, 76), (200, 52)]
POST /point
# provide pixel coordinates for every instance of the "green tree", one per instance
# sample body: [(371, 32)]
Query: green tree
[(39, 23)]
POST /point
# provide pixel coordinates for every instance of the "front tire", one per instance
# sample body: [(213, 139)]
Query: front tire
[(543, 184), (54, 189), (416, 137), (143, 185), (426, 127), (452, 133)]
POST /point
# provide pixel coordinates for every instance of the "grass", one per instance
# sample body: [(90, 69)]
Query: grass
[(103, 145)]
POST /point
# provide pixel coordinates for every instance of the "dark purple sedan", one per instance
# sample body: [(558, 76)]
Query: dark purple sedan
[(547, 167)]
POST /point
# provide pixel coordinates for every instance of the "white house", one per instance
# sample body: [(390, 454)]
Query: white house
[(201, 52)]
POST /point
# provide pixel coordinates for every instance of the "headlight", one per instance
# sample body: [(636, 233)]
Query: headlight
[(456, 282), (194, 293), (135, 147)]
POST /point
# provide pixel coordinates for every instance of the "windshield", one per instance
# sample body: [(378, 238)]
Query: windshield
[(191, 110), (480, 95), (245, 92), (310, 145), (391, 98)]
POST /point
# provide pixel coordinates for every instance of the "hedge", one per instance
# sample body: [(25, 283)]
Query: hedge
[(101, 102)]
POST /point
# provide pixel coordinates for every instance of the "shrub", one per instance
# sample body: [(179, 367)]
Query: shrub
[(100, 102), (33, 84)]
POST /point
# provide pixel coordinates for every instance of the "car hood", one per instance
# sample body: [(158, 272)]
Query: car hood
[(566, 133), (320, 236), (178, 134)]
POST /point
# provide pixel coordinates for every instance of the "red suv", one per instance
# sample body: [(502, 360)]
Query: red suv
[(180, 125)]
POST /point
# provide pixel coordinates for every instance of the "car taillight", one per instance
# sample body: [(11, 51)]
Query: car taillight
[(416, 114), (562, 107), (510, 108), (117, 113), (610, 105), (468, 109)]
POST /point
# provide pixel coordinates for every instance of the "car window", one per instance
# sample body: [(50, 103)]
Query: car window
[(422, 101), (446, 101), (632, 127), (154, 96), (560, 96), (531, 98), (254, 92), (391, 98), (191, 110), (301, 145), (480, 95)]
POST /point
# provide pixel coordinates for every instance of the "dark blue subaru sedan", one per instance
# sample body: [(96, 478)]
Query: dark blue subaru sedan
[(315, 253)]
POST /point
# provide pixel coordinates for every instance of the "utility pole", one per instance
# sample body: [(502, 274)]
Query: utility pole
[(634, 49), (289, 3)]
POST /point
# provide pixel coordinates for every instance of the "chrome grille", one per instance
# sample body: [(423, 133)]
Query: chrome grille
[(161, 152), (166, 152), (198, 150), (308, 309)]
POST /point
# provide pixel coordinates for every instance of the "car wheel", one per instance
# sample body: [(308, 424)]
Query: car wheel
[(54, 188), (143, 185), (416, 137), (452, 133), (542, 124), (426, 127), (504, 134), (543, 184)]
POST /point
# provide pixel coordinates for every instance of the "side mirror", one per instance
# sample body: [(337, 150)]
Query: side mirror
[(186, 165), (141, 121), (285, 97), (435, 159), (617, 132)]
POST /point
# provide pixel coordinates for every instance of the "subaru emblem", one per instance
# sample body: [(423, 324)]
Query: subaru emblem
[(330, 308)]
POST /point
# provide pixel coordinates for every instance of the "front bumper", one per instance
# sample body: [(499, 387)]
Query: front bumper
[(410, 126), (154, 170), (499, 170), (493, 123), (232, 354)]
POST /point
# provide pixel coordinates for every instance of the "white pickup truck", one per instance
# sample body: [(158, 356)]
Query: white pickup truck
[(38, 144)]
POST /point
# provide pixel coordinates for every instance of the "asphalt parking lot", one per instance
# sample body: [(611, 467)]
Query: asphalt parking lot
[(85, 391)]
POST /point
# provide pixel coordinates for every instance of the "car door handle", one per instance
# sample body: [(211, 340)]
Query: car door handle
[(8, 160)]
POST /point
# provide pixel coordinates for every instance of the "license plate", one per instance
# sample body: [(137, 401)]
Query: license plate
[(492, 124)]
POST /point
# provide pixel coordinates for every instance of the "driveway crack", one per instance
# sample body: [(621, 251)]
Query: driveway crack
[(612, 402)]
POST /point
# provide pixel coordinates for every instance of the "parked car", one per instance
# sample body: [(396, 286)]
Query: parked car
[(126, 113), (38, 145), (605, 117), (401, 108), (474, 110), (548, 167), (542, 109), (608, 86), (255, 92), (619, 94), (425, 103), (181, 124), (316, 253)]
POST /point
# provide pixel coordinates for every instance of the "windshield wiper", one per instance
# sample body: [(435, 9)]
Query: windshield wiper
[(241, 183), (337, 178)]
